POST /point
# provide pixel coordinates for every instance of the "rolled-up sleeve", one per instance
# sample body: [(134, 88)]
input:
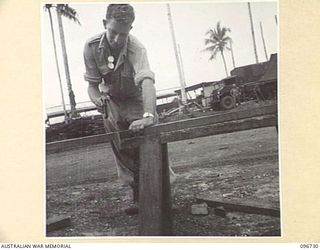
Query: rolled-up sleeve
[(92, 73), (141, 67)]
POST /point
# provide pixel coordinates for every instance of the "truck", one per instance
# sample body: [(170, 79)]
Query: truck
[(222, 97), (254, 82)]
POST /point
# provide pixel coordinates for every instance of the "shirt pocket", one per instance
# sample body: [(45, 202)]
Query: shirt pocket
[(101, 62)]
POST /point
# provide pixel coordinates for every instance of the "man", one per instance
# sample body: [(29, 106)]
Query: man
[(236, 93), (258, 94), (119, 76)]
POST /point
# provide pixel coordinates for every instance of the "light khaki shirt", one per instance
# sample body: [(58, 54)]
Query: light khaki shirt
[(132, 67)]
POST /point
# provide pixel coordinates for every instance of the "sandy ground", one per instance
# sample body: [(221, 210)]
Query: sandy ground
[(83, 184)]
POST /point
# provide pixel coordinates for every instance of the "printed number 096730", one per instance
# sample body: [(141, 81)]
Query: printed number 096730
[(309, 246)]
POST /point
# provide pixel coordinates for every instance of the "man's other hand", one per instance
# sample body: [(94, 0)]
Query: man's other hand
[(100, 101), (139, 125)]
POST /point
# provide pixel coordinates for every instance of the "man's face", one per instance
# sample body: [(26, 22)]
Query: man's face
[(117, 33)]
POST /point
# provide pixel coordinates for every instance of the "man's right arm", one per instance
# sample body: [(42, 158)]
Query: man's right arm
[(92, 76)]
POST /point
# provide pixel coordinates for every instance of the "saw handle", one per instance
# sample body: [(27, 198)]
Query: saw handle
[(105, 106)]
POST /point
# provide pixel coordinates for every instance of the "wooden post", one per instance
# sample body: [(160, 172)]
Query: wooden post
[(166, 193), (154, 189)]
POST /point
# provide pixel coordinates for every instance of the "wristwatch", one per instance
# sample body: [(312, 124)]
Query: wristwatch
[(148, 114)]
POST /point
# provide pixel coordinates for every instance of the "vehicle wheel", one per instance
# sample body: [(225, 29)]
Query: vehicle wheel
[(227, 102)]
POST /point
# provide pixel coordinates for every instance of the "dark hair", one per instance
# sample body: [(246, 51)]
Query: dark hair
[(122, 13)]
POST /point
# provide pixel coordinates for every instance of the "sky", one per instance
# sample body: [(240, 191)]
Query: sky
[(191, 21)]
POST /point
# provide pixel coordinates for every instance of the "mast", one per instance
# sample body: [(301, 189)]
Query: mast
[(182, 83), (263, 41), (252, 32)]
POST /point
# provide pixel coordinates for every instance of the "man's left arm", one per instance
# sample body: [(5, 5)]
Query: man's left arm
[(149, 106), (145, 78)]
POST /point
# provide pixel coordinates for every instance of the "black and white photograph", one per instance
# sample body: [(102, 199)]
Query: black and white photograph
[(161, 119)]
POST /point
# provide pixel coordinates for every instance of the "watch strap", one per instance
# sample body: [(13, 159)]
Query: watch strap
[(148, 114)]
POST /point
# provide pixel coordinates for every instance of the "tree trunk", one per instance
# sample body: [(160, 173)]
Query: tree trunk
[(57, 66), (233, 62), (224, 62), (66, 65)]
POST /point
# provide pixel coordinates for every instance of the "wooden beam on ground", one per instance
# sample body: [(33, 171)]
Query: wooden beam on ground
[(57, 223), (154, 197), (238, 206)]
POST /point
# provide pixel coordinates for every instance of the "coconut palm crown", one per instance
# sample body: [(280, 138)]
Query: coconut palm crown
[(68, 12), (216, 42), (65, 11)]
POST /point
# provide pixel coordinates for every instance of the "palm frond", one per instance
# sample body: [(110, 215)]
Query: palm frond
[(210, 48), (217, 38), (218, 28), (226, 39), (224, 31), (214, 54), (209, 41), (213, 50), (47, 6), (68, 12), (209, 32)]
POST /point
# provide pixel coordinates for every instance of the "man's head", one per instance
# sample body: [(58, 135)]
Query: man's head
[(118, 23)]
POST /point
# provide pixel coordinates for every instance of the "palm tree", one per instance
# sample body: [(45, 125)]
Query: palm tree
[(48, 7), (217, 41), (70, 13)]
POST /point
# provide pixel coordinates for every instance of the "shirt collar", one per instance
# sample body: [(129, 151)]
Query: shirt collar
[(103, 44), (103, 41)]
